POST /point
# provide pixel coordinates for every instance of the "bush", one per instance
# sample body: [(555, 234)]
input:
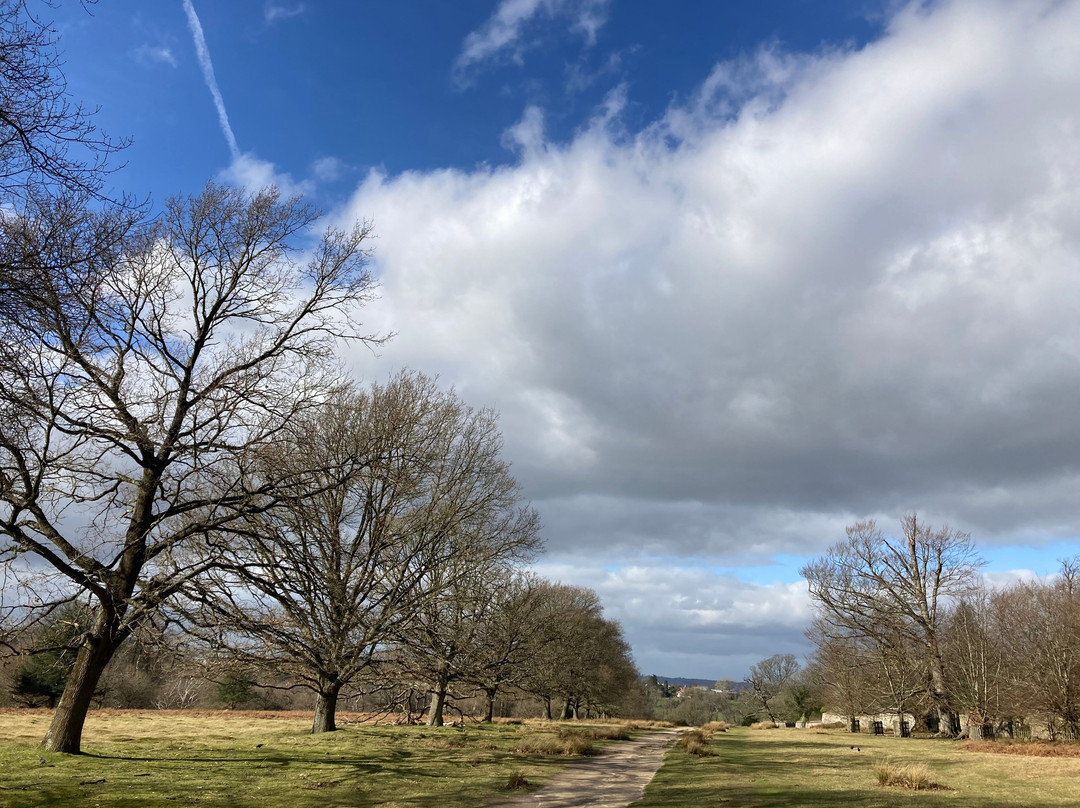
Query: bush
[(915, 776)]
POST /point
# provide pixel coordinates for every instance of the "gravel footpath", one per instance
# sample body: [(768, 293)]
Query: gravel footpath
[(613, 779)]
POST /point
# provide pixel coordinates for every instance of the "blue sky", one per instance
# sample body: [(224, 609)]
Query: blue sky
[(385, 85), (735, 274)]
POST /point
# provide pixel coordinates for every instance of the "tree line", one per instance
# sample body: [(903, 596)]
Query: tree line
[(907, 626), (181, 449)]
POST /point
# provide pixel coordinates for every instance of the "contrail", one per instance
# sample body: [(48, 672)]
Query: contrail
[(208, 74)]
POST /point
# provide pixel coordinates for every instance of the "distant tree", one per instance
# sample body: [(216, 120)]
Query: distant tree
[(42, 678), (509, 637), (235, 689), (444, 645), (977, 673), (1037, 626), (770, 683), (872, 582), (584, 663), (138, 381)]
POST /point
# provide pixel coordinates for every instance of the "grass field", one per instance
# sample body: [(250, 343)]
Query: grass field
[(231, 759), (789, 768)]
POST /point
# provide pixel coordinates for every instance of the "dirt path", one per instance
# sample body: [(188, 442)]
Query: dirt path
[(613, 779)]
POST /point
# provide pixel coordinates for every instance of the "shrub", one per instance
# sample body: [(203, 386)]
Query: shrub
[(915, 776)]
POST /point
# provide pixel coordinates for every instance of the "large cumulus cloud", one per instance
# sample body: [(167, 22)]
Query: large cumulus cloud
[(824, 287)]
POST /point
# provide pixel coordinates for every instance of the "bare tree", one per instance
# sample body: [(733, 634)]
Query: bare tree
[(509, 638), (1038, 630), (770, 680), (146, 379), (441, 648), (873, 580), (974, 646), (582, 660), (49, 143), (385, 488)]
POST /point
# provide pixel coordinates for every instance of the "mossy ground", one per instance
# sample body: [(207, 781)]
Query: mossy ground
[(136, 758), (789, 768)]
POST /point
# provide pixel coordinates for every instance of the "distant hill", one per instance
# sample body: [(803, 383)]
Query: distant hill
[(681, 681)]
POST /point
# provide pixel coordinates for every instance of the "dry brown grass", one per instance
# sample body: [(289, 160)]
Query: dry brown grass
[(764, 725), (716, 726), (516, 782), (1030, 748), (916, 776), (696, 742)]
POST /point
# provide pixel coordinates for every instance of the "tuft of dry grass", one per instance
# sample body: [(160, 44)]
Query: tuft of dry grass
[(1028, 748), (764, 725), (517, 781), (834, 725), (569, 744), (716, 726), (511, 722), (915, 776), (696, 742)]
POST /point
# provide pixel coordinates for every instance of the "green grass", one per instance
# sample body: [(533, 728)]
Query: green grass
[(789, 768), (173, 758)]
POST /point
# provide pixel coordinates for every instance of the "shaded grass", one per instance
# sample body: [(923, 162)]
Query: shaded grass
[(792, 767), (135, 758)]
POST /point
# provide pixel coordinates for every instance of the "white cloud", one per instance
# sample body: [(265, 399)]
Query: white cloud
[(327, 169), (685, 621), (154, 54), (823, 288), (248, 171), (506, 31), (275, 12)]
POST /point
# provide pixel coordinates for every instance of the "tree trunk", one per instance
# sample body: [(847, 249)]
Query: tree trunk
[(65, 731), (565, 715), (489, 714), (547, 707), (438, 701), (325, 709)]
